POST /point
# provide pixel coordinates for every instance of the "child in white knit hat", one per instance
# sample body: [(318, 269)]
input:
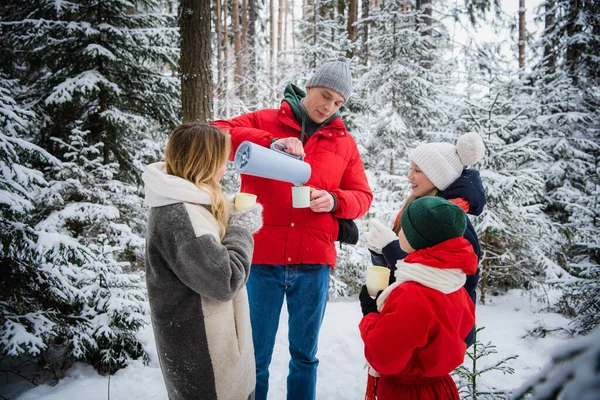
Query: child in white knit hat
[(437, 169)]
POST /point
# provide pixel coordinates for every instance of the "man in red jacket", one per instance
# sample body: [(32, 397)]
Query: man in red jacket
[(295, 250)]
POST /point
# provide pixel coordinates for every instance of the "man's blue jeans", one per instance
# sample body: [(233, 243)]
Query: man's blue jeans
[(305, 287)]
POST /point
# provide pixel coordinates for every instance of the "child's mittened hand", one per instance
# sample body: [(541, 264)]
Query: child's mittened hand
[(367, 303), (250, 219), (379, 236)]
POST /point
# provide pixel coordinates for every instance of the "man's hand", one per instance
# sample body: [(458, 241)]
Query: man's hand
[(321, 200), (292, 145)]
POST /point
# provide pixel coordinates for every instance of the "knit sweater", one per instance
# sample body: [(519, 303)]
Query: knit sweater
[(196, 288)]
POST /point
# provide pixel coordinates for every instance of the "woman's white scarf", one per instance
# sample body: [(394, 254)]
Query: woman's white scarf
[(443, 280), (163, 189)]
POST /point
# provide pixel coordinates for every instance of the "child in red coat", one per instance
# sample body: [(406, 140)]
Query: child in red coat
[(414, 330)]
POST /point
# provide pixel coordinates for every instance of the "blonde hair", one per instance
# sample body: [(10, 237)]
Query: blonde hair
[(196, 152), (397, 225)]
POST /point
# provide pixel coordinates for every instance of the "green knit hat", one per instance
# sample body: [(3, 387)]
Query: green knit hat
[(431, 220)]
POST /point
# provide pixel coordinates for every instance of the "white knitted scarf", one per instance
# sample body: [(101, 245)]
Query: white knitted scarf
[(443, 280)]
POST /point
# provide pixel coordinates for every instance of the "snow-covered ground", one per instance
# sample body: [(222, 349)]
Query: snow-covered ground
[(508, 321)]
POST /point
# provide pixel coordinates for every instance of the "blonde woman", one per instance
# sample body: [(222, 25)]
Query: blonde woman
[(198, 255)]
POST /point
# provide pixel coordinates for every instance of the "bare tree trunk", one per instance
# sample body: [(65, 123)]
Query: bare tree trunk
[(285, 24), (352, 29), (196, 55), (272, 43), (365, 33), (522, 38), (426, 7), (244, 25), (225, 56), (237, 45), (251, 70), (293, 26), (404, 6), (573, 49), (549, 55), (308, 9), (280, 12), (219, 55)]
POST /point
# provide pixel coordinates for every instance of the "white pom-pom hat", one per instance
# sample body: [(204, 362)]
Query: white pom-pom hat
[(443, 163)]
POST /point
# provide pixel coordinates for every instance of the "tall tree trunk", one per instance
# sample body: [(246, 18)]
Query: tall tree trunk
[(573, 49), (219, 49), (426, 22), (225, 56), (244, 25), (285, 25), (196, 55), (237, 45), (549, 55), (251, 70), (522, 38), (352, 28), (426, 6), (280, 18), (304, 10), (105, 130), (293, 25), (272, 43), (364, 54)]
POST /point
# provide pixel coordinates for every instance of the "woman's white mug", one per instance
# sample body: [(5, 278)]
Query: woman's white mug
[(244, 201)]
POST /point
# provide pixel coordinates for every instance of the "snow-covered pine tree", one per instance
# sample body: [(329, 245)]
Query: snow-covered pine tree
[(87, 257), (23, 326), (102, 67), (98, 82), (571, 374), (567, 118), (518, 240)]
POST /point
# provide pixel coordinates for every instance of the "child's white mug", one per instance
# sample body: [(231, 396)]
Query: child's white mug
[(244, 201), (377, 279), (300, 196)]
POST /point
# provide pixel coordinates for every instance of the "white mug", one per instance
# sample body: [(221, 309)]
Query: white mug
[(377, 279), (300, 196), (244, 201)]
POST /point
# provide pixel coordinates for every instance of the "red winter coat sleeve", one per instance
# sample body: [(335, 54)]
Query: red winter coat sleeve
[(242, 128), (391, 338), (354, 196)]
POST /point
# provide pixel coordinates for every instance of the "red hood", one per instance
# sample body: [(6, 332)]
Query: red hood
[(454, 253)]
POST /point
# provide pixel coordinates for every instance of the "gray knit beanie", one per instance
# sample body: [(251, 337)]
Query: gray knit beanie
[(334, 75)]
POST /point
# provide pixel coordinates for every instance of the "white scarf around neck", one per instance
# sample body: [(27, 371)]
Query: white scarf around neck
[(443, 280), (162, 189)]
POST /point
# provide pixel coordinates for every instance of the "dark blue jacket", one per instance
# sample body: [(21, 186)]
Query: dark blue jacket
[(469, 187)]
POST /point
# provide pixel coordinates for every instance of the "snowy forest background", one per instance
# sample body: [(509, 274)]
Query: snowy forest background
[(89, 91)]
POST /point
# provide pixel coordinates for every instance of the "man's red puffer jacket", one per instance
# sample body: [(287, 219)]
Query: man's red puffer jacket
[(299, 235)]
